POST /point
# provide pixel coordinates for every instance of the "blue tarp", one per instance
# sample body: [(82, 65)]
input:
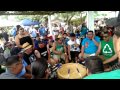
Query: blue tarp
[(36, 23), (28, 22)]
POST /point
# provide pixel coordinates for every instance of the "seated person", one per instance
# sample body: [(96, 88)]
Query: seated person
[(13, 68), (40, 69), (59, 50), (95, 69), (89, 45), (23, 73), (116, 40), (106, 50), (42, 48), (73, 48), (43, 51), (28, 55)]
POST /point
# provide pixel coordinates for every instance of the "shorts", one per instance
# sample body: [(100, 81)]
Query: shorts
[(59, 57)]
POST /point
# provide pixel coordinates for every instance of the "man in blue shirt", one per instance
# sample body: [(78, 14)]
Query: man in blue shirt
[(89, 45), (42, 30), (32, 31)]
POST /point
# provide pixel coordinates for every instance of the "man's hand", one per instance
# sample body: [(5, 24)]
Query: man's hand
[(60, 52), (69, 57)]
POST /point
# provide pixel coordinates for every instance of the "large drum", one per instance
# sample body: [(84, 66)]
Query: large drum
[(71, 71)]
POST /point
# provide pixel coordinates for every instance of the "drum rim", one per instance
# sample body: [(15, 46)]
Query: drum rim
[(60, 76)]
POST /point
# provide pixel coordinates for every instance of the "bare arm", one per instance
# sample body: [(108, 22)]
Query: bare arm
[(28, 68), (99, 50), (96, 43), (68, 49), (65, 49), (48, 50), (113, 58), (77, 43), (82, 51), (17, 41)]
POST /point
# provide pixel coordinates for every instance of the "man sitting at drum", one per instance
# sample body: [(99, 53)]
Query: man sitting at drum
[(95, 69), (59, 49), (106, 50), (89, 45), (40, 69), (73, 48)]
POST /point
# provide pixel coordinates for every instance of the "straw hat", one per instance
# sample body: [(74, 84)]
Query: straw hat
[(60, 36), (26, 46), (71, 71)]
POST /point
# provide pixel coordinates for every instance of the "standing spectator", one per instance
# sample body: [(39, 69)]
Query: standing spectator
[(42, 30), (23, 37), (61, 29), (55, 30), (5, 35), (84, 30), (14, 31), (32, 32)]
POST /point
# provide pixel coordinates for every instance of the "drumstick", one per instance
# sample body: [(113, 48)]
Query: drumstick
[(79, 72), (68, 73)]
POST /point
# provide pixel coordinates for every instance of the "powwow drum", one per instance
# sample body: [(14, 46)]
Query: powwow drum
[(71, 71)]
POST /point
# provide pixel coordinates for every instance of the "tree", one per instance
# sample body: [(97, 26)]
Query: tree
[(67, 17), (32, 17)]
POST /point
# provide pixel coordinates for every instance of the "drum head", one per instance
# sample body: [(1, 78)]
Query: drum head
[(71, 71)]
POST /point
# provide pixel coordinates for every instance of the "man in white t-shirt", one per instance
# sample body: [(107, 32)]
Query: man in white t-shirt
[(73, 48)]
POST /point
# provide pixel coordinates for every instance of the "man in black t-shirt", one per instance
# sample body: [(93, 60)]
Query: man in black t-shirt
[(28, 55), (43, 49)]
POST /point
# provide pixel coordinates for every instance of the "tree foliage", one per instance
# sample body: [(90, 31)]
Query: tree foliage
[(32, 17), (67, 17)]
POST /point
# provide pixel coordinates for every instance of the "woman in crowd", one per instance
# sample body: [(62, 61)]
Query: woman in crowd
[(23, 37)]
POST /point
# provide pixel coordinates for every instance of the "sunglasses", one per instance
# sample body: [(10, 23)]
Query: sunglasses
[(105, 36)]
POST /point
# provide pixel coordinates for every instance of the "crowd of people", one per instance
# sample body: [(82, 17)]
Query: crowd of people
[(34, 54)]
